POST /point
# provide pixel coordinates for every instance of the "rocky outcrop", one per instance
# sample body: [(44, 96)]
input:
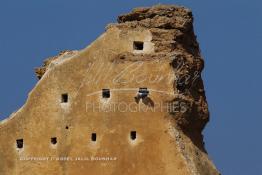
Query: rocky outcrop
[(174, 39), (161, 16)]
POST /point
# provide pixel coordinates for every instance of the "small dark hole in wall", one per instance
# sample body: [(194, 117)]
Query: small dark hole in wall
[(138, 45), (20, 143), (106, 93), (54, 140), (93, 137), (143, 92), (66, 127), (133, 135), (64, 98)]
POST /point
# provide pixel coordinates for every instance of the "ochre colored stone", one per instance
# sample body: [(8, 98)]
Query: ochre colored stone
[(68, 124)]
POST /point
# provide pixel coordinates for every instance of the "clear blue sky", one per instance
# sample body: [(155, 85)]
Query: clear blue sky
[(230, 36)]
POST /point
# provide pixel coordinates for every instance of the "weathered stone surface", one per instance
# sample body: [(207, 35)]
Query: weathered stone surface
[(66, 116), (40, 71)]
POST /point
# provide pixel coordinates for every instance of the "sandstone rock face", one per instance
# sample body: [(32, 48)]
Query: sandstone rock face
[(91, 114)]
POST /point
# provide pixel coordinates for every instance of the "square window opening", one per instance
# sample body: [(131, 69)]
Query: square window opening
[(54, 140), (93, 137), (133, 135), (64, 98), (19, 143), (138, 45), (106, 93), (143, 92)]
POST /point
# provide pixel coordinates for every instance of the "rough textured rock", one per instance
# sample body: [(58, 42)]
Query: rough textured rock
[(40, 71), (66, 117)]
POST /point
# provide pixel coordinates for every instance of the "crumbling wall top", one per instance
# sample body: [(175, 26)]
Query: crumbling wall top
[(159, 16)]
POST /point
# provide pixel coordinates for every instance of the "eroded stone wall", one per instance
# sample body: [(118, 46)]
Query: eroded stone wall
[(86, 109)]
